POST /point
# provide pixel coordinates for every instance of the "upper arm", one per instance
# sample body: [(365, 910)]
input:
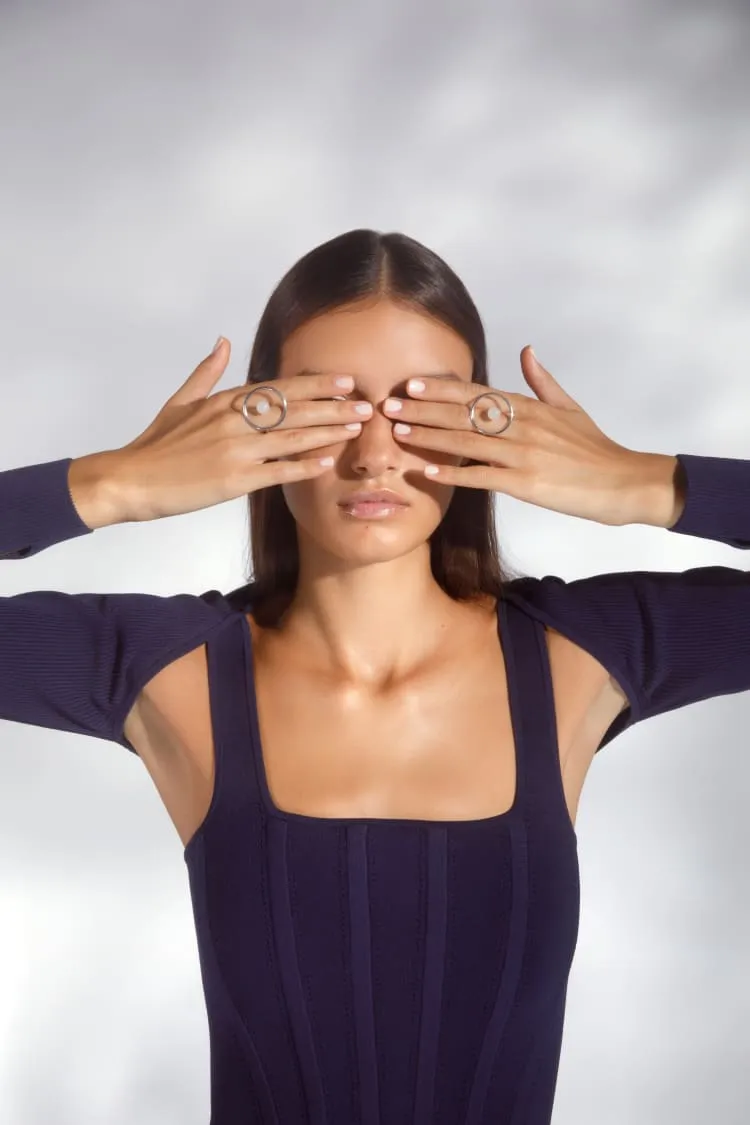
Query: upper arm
[(76, 662), (665, 638)]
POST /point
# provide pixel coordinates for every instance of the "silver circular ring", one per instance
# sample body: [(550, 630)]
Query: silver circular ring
[(274, 390), (473, 407)]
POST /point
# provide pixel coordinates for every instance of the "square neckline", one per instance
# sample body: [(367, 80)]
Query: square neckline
[(273, 810)]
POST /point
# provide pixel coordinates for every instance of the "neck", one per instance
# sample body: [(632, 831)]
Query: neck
[(373, 624)]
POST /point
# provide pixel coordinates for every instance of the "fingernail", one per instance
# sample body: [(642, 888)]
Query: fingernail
[(401, 428), (218, 344), (415, 386)]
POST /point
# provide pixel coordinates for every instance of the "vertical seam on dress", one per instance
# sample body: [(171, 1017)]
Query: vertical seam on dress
[(433, 976), (361, 956)]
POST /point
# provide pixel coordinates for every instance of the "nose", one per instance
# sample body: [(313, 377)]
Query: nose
[(375, 450)]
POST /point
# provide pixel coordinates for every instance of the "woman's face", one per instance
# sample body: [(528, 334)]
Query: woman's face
[(382, 345)]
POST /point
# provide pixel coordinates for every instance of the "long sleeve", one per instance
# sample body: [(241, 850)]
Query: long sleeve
[(76, 662), (37, 510), (669, 638)]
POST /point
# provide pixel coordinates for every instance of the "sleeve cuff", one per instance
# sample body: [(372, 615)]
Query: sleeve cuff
[(37, 509), (717, 503)]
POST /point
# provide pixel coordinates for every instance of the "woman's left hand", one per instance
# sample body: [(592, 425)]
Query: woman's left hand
[(552, 454)]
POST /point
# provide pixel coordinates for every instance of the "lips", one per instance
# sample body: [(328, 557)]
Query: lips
[(381, 496)]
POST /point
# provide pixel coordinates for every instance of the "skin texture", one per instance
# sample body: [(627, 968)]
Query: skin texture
[(367, 606)]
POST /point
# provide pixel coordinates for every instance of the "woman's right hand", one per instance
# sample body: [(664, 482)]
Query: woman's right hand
[(200, 451)]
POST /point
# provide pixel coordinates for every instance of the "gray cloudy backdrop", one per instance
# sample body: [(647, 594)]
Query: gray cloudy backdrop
[(586, 170)]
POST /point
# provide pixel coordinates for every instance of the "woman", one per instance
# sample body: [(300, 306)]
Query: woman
[(373, 752)]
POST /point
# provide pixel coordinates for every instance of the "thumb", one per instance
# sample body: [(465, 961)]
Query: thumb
[(206, 375), (543, 384)]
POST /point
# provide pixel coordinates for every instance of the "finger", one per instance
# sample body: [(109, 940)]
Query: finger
[(295, 389), (205, 376), (286, 472), (446, 415), (267, 412), (439, 389), (488, 477), (315, 385), (543, 383), (489, 413), (284, 443), (474, 446)]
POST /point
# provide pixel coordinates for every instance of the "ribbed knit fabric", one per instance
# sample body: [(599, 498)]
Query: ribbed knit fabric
[(372, 971)]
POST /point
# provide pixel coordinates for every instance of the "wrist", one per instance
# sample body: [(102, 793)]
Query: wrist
[(662, 492), (93, 489)]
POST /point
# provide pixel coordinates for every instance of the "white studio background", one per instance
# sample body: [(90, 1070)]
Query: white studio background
[(586, 169)]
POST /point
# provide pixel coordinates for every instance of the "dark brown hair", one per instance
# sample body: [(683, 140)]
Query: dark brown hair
[(357, 266)]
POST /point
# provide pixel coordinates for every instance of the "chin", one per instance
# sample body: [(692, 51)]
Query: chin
[(362, 541), (370, 543)]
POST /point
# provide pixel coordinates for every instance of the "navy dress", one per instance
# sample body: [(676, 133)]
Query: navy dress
[(373, 971), (377, 970)]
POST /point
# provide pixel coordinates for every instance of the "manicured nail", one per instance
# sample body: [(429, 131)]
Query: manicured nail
[(414, 386), (431, 470), (353, 426), (392, 404), (346, 381), (218, 344), (327, 461), (401, 428)]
